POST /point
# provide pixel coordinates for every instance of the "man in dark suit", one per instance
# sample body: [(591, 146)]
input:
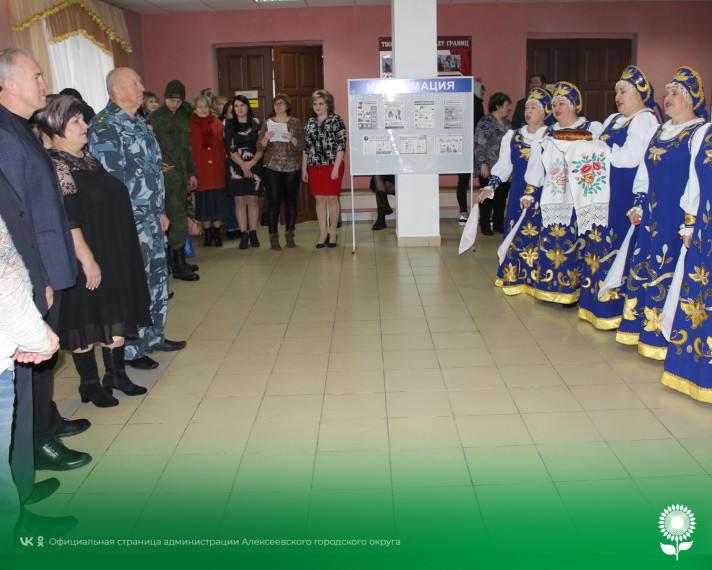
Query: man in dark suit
[(518, 120), (31, 173)]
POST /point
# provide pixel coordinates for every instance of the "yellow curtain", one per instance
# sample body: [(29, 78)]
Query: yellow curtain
[(99, 22)]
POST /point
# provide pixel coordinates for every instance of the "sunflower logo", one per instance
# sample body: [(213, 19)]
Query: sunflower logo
[(677, 523)]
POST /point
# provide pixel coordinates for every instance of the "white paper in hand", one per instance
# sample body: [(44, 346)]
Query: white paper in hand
[(279, 129)]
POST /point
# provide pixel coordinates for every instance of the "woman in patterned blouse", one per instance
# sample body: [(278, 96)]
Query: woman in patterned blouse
[(323, 162), (282, 160), (488, 136)]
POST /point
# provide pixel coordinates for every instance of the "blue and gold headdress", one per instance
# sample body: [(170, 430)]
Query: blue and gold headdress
[(637, 79), (569, 92), (542, 97), (691, 81)]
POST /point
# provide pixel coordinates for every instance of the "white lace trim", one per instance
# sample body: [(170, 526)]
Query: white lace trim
[(591, 214), (556, 214), (685, 92)]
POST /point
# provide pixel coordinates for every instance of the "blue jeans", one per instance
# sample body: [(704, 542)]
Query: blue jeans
[(9, 499)]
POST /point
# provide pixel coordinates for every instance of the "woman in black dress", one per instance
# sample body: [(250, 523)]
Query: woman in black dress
[(110, 299), (244, 168)]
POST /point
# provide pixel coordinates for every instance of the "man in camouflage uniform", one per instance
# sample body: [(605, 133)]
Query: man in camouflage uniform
[(126, 147), (170, 125)]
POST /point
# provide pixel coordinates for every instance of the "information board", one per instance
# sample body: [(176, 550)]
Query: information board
[(411, 126)]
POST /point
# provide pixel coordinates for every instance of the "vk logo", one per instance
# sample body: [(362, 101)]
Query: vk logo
[(27, 541)]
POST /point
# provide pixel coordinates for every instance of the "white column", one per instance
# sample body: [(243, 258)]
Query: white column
[(414, 31)]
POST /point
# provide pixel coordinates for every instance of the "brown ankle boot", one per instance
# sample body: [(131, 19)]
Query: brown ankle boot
[(274, 242), (289, 236)]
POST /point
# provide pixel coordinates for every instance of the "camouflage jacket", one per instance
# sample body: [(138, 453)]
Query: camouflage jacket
[(173, 135), (128, 150)]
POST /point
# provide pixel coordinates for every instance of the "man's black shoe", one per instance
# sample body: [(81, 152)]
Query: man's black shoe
[(68, 428), (169, 345), (55, 456), (487, 231), (42, 490), (31, 524), (143, 363)]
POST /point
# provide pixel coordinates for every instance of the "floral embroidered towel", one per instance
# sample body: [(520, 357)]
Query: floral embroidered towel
[(577, 177), (589, 180)]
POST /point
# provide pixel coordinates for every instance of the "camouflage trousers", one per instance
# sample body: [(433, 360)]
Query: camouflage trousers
[(153, 252), (177, 213)]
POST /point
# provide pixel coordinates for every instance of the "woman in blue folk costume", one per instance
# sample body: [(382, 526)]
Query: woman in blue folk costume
[(626, 134), (557, 278), (514, 274), (688, 365), (658, 187)]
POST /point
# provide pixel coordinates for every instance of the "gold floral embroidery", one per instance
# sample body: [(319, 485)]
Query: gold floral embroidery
[(629, 312), (591, 260), (656, 154), (529, 230), (530, 255), (595, 235), (700, 275), (557, 231), (556, 257), (699, 352), (509, 274), (524, 153), (695, 310), (652, 319)]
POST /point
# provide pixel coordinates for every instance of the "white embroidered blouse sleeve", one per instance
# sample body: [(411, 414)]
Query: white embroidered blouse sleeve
[(503, 168), (631, 154)]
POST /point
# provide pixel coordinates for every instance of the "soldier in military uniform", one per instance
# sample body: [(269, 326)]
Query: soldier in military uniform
[(170, 125), (122, 141)]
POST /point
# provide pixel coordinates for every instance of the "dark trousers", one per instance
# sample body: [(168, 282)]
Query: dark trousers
[(36, 415), (495, 208), (282, 187), (463, 186), (46, 416)]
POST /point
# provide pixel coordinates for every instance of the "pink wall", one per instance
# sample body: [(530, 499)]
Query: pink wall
[(136, 57), (5, 31), (183, 45)]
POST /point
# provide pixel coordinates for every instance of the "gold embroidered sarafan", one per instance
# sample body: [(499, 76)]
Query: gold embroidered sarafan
[(695, 310)]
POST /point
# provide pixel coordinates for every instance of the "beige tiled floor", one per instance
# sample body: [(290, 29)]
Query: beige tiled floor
[(315, 378)]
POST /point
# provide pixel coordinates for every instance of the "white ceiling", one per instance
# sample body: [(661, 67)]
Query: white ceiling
[(168, 6)]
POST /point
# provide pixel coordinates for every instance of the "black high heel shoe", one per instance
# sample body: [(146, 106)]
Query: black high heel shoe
[(324, 244), (330, 243)]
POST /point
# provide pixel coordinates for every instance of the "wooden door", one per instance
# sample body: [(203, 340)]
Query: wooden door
[(298, 72), (593, 65), (247, 69)]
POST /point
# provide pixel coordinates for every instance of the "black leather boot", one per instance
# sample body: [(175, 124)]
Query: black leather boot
[(90, 389), (254, 242), (217, 241), (244, 240), (180, 269), (207, 237), (169, 259), (382, 201), (115, 376)]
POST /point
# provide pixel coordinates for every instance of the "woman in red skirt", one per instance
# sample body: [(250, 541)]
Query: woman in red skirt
[(323, 163)]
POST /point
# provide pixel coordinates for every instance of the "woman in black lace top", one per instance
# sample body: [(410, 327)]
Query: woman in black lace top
[(110, 299)]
